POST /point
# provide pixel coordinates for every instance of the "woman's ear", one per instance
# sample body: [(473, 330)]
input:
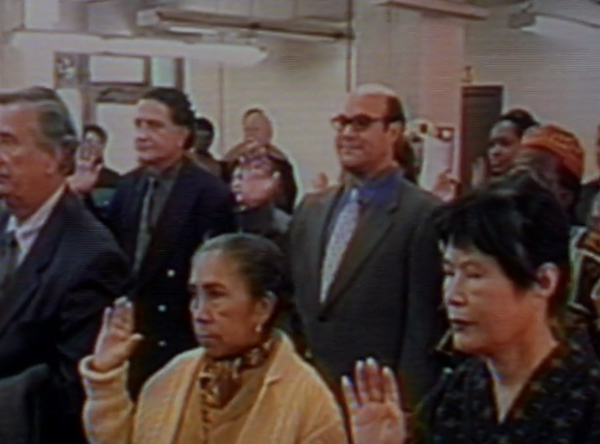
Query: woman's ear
[(266, 307), (547, 278)]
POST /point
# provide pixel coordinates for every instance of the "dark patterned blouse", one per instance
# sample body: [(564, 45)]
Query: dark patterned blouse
[(559, 405)]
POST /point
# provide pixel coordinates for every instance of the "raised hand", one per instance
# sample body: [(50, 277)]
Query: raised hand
[(87, 173), (320, 182), (445, 186), (116, 341), (373, 404)]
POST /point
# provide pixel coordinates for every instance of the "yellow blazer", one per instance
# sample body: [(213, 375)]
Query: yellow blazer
[(293, 406)]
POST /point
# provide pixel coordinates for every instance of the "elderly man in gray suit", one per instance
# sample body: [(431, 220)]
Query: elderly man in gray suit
[(364, 254)]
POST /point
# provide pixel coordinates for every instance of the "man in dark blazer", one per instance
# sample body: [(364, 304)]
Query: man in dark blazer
[(160, 213), (380, 298), (59, 268)]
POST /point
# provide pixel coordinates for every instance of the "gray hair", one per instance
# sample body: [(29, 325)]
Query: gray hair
[(57, 135)]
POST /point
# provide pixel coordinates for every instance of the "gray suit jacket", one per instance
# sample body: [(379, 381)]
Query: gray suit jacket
[(385, 300)]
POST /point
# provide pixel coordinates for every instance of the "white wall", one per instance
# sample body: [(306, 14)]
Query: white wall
[(556, 77), (420, 56)]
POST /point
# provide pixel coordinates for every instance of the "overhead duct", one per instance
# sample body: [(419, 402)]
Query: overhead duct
[(444, 8), (328, 11), (194, 22)]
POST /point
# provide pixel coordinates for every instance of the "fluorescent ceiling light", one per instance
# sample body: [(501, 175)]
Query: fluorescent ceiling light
[(303, 37), (226, 53), (192, 30)]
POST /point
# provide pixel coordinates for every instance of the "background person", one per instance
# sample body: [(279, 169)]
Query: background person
[(364, 254), (159, 214), (258, 135)]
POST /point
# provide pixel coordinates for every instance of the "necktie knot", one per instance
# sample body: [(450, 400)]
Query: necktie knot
[(8, 241)]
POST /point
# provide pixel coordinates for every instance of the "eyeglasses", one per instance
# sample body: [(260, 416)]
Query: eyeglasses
[(359, 123)]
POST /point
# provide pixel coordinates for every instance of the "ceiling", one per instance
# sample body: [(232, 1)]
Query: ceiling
[(492, 3), (584, 10)]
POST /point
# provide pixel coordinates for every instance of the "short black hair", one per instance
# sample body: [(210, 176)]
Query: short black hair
[(180, 106), (97, 130), (204, 124), (518, 222), (521, 119)]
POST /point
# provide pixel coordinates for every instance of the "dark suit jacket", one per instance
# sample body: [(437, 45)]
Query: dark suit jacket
[(384, 302), (199, 206), (103, 192), (52, 313), (21, 407), (108, 178)]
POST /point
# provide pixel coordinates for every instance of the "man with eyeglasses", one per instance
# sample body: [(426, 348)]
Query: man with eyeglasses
[(365, 259)]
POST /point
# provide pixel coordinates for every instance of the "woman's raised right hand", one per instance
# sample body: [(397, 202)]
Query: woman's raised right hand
[(373, 404), (117, 340)]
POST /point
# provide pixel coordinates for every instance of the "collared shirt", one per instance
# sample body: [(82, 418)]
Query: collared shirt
[(27, 232), (165, 180), (376, 191)]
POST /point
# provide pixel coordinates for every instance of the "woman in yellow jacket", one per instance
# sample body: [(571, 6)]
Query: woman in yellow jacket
[(245, 384)]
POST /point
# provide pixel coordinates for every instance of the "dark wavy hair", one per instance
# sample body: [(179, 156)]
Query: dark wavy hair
[(518, 222), (180, 106), (521, 119)]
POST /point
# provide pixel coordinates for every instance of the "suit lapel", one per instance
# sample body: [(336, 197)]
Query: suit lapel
[(170, 223), (27, 278), (372, 227)]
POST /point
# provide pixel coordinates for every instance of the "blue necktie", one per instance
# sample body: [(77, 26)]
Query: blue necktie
[(342, 233)]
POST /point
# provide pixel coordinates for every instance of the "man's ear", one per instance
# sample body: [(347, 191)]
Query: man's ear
[(396, 130)]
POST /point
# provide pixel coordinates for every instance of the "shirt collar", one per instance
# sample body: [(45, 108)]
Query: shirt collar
[(376, 188), (167, 174), (31, 226)]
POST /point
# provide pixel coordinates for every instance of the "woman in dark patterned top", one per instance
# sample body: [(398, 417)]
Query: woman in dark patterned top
[(506, 255)]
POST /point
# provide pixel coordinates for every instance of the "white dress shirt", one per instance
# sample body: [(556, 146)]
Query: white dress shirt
[(26, 232)]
